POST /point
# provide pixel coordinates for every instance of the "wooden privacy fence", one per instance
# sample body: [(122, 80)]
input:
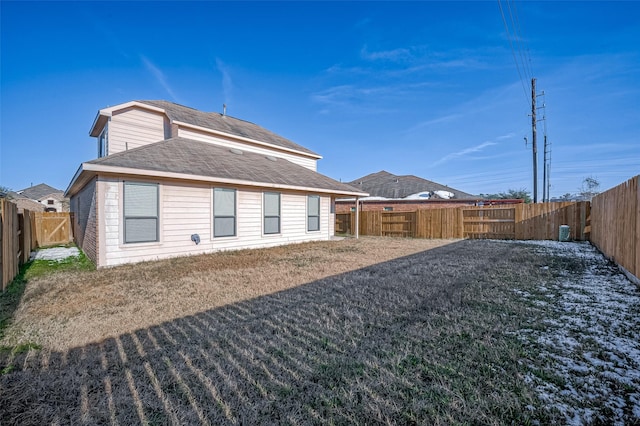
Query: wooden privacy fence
[(10, 255), (15, 241), (615, 224), (520, 221), (20, 233)]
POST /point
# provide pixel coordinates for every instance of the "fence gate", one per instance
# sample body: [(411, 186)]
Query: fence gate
[(53, 228), (398, 224), (494, 222)]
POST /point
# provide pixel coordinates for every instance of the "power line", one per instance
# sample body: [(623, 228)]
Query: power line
[(525, 86), (520, 40)]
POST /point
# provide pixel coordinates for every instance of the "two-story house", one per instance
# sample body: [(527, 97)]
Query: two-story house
[(173, 181)]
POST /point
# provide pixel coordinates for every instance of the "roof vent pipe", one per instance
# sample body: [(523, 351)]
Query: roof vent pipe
[(224, 110)]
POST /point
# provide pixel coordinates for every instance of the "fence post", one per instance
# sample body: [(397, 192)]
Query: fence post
[(519, 222)]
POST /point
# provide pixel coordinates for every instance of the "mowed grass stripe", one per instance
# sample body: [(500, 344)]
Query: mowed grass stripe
[(422, 335)]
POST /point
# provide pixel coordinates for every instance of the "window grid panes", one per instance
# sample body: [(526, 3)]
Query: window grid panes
[(313, 213), (140, 212), (224, 212), (271, 213)]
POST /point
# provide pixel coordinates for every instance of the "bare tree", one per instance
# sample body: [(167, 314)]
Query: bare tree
[(510, 194), (590, 188), (4, 191)]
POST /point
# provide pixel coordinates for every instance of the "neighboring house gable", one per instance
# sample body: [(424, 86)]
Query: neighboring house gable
[(52, 199), (231, 187)]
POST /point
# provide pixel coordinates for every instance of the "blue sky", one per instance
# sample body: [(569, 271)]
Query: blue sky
[(423, 88)]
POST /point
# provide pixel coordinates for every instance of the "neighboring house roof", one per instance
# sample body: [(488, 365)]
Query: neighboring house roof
[(28, 204), (212, 121), (194, 160), (386, 185), (39, 191), (25, 203)]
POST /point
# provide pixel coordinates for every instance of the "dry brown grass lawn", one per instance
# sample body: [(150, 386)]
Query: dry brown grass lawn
[(369, 332), (72, 309)]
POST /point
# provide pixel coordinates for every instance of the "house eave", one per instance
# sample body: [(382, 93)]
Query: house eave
[(88, 170), (77, 181)]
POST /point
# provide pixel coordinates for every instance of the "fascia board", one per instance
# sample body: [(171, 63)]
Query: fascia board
[(88, 167)]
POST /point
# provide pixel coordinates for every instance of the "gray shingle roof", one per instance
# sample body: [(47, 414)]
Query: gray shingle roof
[(225, 123), (38, 191), (201, 159), (387, 185)]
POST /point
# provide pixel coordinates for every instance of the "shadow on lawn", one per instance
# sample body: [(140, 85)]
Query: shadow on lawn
[(397, 342)]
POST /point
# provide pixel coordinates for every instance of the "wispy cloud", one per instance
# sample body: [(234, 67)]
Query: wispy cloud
[(351, 98), (227, 83), (505, 137), (463, 152), (438, 120), (159, 76), (396, 55)]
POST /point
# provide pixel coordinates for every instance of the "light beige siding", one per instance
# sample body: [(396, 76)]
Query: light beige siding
[(301, 160), (110, 225), (134, 127), (187, 210), (332, 217)]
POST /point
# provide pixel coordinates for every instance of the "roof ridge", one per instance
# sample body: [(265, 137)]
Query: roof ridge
[(219, 114)]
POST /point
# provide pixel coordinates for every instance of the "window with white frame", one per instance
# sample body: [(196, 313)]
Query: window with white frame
[(313, 213), (224, 212), (271, 213), (140, 212), (103, 142)]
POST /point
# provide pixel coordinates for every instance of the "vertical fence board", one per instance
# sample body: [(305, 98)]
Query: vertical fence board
[(10, 242), (615, 224)]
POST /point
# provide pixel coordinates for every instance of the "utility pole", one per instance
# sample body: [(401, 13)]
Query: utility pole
[(544, 171), (534, 140), (547, 180)]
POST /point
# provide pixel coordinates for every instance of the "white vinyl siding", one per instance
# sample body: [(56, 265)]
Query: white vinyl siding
[(187, 209), (271, 213), (313, 213), (309, 163), (141, 207), (134, 127), (224, 212)]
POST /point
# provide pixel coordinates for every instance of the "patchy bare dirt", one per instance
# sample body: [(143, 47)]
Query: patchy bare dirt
[(74, 308)]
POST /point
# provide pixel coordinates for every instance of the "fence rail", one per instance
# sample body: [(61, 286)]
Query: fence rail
[(520, 221), (20, 233), (615, 224)]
